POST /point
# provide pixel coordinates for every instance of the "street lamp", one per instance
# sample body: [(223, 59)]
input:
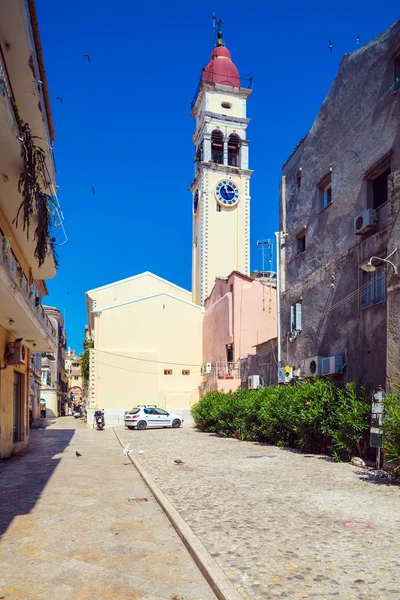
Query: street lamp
[(369, 267)]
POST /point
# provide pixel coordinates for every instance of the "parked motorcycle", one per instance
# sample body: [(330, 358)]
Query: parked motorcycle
[(99, 419)]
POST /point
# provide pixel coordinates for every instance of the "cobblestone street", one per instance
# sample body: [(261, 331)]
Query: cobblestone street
[(279, 523), (87, 527)]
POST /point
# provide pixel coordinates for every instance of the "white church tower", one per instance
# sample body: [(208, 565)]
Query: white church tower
[(221, 185)]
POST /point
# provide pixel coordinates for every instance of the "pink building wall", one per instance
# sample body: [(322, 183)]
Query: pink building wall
[(239, 311)]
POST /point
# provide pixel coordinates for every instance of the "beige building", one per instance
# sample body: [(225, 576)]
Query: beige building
[(147, 346), (54, 378), (74, 376), (24, 325)]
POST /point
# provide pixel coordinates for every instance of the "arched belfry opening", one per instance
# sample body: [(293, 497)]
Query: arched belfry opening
[(217, 147), (234, 150)]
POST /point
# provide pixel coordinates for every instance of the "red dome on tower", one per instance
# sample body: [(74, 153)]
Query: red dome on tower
[(221, 69)]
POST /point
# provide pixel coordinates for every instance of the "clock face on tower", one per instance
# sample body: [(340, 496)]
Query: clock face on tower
[(227, 193), (195, 202)]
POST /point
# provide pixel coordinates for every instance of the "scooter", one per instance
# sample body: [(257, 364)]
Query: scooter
[(99, 419)]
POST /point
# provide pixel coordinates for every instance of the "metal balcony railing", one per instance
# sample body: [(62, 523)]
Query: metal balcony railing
[(30, 291), (4, 79)]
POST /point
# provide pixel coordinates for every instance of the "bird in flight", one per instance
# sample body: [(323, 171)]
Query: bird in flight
[(178, 461), (86, 56), (330, 46), (77, 453), (358, 38), (93, 191), (59, 99)]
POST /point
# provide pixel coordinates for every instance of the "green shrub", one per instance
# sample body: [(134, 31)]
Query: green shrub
[(350, 423), (314, 416), (391, 428)]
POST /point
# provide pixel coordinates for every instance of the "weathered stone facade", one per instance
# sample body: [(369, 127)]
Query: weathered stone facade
[(335, 174)]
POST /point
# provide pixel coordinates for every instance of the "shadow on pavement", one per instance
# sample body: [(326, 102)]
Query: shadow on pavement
[(24, 476), (377, 478)]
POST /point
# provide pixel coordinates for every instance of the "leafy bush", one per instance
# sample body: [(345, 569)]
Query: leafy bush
[(314, 416), (391, 428)]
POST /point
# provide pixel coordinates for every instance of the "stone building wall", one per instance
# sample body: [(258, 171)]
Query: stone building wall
[(357, 127)]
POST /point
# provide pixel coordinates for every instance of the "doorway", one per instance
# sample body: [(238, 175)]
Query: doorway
[(229, 353), (18, 407)]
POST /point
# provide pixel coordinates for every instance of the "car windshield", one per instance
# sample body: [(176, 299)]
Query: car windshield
[(134, 411)]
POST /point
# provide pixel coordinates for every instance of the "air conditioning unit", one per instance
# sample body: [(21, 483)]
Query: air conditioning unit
[(207, 368), (253, 382), (16, 353), (365, 221), (331, 365), (284, 376), (313, 366)]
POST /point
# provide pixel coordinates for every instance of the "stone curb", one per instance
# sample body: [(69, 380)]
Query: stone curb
[(216, 578)]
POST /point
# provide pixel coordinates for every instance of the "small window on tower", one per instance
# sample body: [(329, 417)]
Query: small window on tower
[(226, 105), (217, 147), (167, 371), (219, 207)]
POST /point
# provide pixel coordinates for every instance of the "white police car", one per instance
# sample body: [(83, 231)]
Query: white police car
[(142, 417)]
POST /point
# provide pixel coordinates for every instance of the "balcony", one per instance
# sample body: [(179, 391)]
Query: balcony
[(224, 377), (21, 311), (11, 167), (244, 83)]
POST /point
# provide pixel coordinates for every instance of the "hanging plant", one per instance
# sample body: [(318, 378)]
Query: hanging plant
[(35, 201)]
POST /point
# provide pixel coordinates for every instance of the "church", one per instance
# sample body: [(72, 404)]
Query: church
[(156, 343)]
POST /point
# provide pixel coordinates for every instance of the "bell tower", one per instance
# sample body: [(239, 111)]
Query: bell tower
[(221, 186)]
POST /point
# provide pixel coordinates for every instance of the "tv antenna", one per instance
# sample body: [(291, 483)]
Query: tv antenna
[(267, 249)]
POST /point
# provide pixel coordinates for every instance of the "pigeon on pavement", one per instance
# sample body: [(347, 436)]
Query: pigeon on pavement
[(127, 450), (178, 461), (77, 453)]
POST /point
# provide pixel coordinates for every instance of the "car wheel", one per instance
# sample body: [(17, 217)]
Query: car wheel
[(130, 427), (142, 425), (176, 423)]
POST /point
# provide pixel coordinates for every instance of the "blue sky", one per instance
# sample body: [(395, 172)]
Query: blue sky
[(124, 126)]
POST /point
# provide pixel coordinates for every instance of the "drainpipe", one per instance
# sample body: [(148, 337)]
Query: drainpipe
[(278, 291)]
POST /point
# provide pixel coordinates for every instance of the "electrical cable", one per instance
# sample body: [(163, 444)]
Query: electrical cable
[(142, 372), (149, 360)]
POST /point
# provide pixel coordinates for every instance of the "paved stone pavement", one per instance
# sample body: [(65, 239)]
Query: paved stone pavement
[(280, 524), (86, 528)]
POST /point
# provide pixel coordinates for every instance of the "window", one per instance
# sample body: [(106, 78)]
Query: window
[(219, 208), (226, 105), (373, 288), (295, 317), (380, 189), (185, 372), (217, 147), (397, 70), (233, 150), (298, 179), (160, 411), (167, 371), (377, 178), (301, 242), (76, 377), (325, 192), (18, 407), (44, 377)]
